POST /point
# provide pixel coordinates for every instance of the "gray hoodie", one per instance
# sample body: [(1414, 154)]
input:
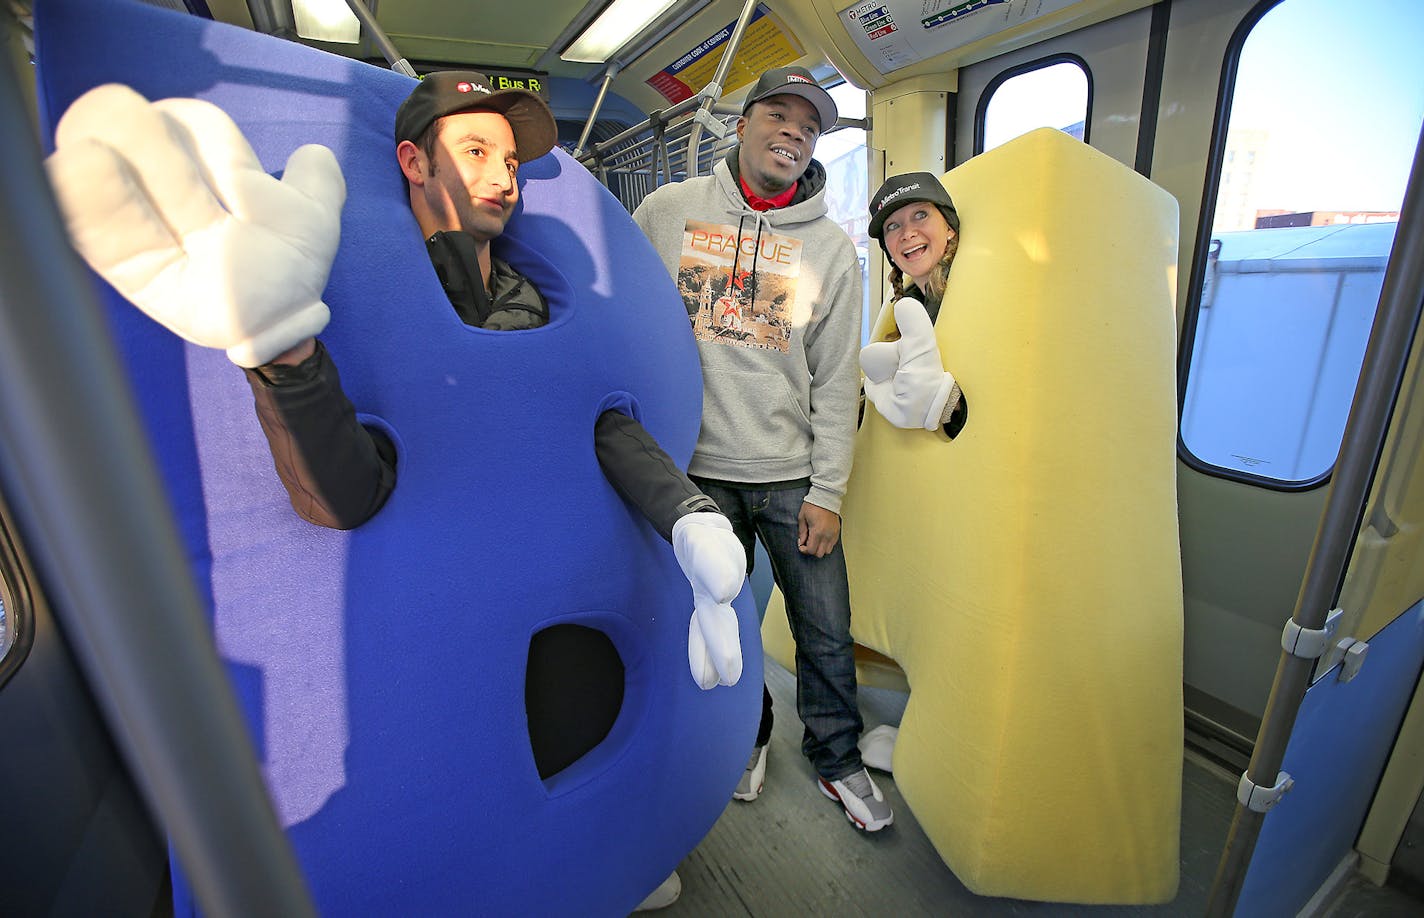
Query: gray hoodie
[(775, 302)]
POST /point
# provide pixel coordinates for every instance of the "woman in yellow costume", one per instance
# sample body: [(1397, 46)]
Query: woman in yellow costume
[(966, 559), (915, 222)]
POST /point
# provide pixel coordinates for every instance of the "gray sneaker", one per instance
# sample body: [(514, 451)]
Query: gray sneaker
[(754, 778), (864, 805), (666, 894)]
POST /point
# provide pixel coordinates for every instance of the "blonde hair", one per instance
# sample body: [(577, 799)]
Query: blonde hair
[(939, 274)]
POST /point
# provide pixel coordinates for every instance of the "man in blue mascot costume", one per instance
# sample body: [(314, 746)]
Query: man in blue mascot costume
[(447, 569)]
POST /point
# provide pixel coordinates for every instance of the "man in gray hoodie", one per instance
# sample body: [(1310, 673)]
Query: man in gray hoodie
[(773, 289)]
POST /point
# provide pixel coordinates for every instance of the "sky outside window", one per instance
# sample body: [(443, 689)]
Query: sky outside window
[(1054, 96), (1326, 110)]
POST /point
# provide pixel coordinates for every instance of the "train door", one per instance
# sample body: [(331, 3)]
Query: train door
[(1153, 79), (1286, 131)]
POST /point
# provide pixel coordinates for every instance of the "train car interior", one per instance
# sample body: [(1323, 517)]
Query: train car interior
[(1149, 631)]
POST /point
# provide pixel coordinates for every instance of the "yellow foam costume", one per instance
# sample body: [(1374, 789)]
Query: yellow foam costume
[(1026, 575)]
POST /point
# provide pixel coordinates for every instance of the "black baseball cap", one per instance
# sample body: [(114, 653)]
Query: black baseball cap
[(447, 92), (795, 81), (908, 188)]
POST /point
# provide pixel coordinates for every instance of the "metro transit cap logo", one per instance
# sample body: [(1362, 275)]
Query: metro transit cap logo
[(895, 194), (471, 87)]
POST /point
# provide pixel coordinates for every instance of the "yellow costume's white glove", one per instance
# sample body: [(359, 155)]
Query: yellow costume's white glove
[(905, 379), (168, 203), (715, 563)]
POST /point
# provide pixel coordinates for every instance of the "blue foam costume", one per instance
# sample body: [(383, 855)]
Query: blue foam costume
[(382, 670)]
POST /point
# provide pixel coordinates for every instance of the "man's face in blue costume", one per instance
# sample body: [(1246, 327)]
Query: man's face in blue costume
[(470, 178)]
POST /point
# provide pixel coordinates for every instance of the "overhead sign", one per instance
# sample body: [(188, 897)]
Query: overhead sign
[(534, 81), (537, 83), (897, 33), (766, 43)]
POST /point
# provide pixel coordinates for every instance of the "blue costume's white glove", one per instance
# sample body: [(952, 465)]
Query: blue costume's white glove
[(905, 379), (168, 203), (715, 563)]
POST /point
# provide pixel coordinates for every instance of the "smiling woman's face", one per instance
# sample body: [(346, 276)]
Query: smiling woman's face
[(915, 237)]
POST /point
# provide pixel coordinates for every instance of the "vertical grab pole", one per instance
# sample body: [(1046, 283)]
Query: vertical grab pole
[(660, 150), (388, 50), (713, 91), (608, 76), (1391, 337)]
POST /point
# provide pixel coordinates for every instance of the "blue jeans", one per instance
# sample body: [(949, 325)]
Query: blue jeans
[(818, 610)]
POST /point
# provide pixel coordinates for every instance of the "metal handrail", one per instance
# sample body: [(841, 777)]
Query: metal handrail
[(654, 142), (1391, 338), (713, 91), (654, 146), (668, 116), (608, 76), (373, 30), (650, 153)]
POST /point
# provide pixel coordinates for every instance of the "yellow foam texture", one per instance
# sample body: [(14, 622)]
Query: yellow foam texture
[(1026, 575)]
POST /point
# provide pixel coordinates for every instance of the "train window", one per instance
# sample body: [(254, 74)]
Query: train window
[(1310, 167), (843, 153), (1053, 92)]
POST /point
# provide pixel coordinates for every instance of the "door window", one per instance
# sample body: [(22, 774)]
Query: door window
[(1324, 113)]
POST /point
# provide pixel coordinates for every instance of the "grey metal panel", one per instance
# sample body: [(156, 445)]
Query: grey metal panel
[(1116, 53)]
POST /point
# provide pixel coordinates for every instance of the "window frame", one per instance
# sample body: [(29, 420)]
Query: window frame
[(981, 109), (1211, 189), (868, 305)]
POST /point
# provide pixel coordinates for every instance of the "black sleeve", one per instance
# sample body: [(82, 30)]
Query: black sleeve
[(336, 472), (957, 417), (643, 474)]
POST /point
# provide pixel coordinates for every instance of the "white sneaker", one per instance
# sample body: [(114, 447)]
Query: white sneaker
[(666, 894), (754, 778), (864, 805)]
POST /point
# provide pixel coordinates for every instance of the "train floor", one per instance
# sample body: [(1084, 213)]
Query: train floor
[(792, 851)]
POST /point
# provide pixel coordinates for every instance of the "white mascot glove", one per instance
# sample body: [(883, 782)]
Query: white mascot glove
[(905, 379), (715, 563), (168, 203)]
